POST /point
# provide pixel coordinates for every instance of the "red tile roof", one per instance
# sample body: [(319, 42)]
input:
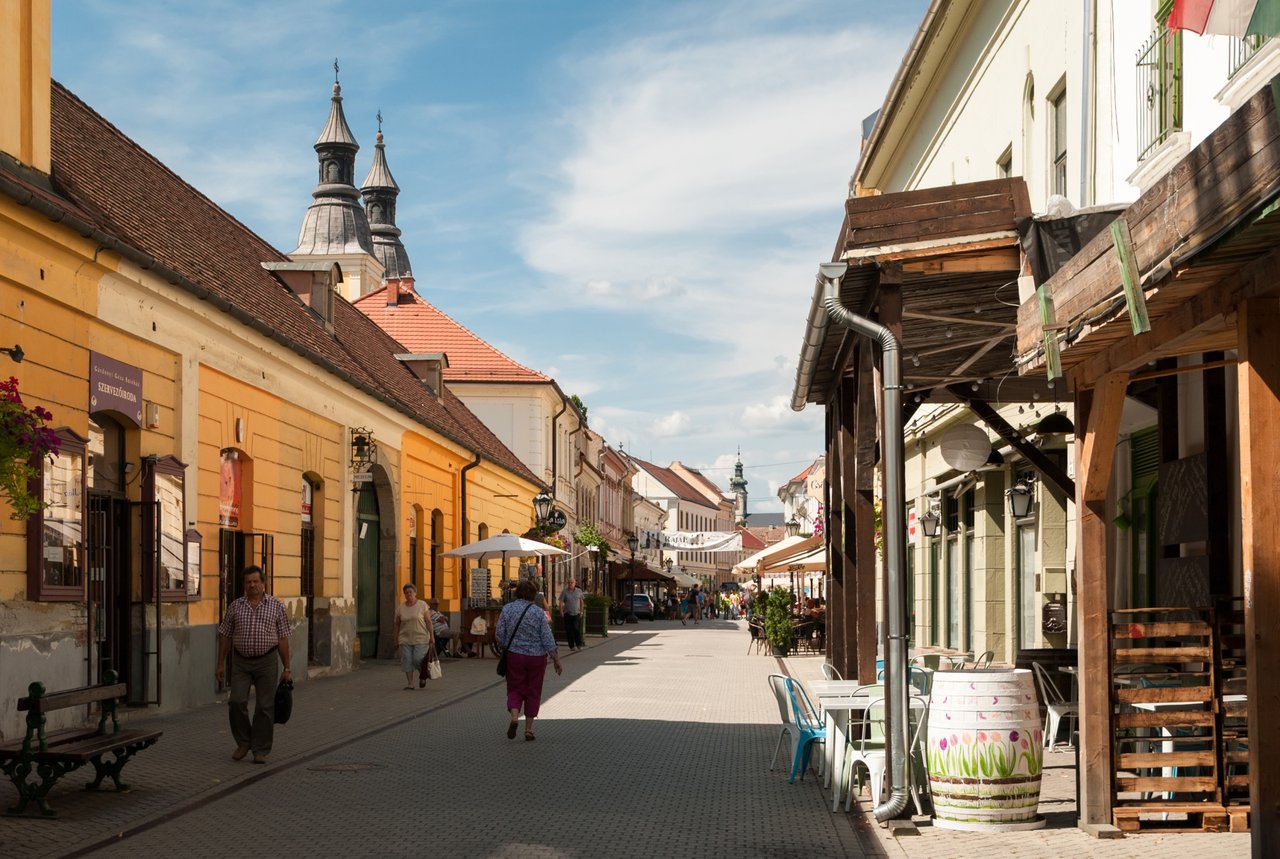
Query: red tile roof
[(142, 209), (674, 482), (423, 327)]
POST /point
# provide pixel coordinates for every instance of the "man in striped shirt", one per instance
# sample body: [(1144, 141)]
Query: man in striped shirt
[(256, 629)]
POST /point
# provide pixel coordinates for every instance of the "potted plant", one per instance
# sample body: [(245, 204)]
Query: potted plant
[(596, 609), (779, 628), (25, 440)]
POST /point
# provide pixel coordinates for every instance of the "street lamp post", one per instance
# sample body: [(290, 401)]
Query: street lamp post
[(632, 543), (793, 530)]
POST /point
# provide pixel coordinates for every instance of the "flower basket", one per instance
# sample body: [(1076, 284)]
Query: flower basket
[(25, 440)]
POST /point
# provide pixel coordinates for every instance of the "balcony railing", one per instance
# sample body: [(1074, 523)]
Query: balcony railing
[(1240, 51), (1159, 76)]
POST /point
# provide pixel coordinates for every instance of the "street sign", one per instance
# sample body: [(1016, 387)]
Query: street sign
[(556, 520)]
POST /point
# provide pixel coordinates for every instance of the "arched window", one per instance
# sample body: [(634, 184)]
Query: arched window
[(415, 559), (437, 547)]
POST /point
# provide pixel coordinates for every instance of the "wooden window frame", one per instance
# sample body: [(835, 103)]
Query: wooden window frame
[(69, 441)]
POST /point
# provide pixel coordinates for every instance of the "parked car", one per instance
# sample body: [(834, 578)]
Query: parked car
[(642, 605)]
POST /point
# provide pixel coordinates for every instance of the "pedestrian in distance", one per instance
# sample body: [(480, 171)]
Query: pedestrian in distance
[(255, 631), (525, 635), (571, 611), (413, 634)]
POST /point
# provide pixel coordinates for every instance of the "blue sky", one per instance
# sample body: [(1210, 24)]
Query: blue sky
[(630, 196)]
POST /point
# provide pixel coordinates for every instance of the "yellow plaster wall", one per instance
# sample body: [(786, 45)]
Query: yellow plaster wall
[(48, 304), (502, 501), (282, 442), (24, 81)]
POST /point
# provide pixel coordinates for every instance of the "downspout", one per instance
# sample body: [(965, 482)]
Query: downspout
[(555, 480), (466, 520), (1088, 133), (895, 673)]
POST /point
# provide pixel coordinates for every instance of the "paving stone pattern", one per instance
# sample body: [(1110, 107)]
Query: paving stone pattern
[(655, 742)]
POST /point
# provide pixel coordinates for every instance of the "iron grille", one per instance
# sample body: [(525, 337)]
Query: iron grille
[(1159, 75)]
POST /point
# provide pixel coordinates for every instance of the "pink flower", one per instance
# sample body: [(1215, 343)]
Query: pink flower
[(995, 736), (982, 736), (942, 744)]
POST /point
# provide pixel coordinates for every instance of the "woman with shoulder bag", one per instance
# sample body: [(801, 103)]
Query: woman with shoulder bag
[(526, 640)]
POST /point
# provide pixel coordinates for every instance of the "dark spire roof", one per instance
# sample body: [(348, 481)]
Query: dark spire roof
[(335, 223), (380, 191), (738, 481)]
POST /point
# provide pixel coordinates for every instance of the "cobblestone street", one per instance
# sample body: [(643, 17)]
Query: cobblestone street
[(655, 742)]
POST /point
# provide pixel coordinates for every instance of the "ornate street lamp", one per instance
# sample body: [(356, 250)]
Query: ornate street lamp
[(929, 523), (1020, 499), (632, 543), (793, 526), (542, 504)]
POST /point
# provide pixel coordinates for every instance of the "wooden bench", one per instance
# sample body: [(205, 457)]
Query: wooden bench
[(38, 761)]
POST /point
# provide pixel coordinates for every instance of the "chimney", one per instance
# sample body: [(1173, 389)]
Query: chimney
[(25, 82), (429, 367)]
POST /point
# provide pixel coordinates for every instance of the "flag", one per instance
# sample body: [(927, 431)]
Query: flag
[(1238, 18)]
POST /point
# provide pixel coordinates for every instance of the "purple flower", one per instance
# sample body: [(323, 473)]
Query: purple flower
[(942, 744), (1013, 735)]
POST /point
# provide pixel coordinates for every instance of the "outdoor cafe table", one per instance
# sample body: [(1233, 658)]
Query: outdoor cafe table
[(839, 704)]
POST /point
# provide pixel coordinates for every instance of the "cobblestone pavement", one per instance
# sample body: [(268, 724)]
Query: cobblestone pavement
[(655, 742)]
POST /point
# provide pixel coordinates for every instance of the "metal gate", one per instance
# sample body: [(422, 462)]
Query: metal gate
[(107, 605), (237, 550)]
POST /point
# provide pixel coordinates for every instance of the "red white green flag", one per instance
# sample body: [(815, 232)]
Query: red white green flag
[(1238, 18)]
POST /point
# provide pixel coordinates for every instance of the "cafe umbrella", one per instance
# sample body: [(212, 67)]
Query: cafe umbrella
[(500, 546)]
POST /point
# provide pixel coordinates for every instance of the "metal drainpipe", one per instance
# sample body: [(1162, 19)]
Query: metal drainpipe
[(1087, 103), (555, 481), (466, 522), (895, 532)]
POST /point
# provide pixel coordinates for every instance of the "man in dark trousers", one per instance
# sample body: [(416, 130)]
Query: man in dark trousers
[(571, 611), (256, 629)]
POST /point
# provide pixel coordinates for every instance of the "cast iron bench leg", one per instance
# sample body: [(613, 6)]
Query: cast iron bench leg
[(29, 792), (104, 769)]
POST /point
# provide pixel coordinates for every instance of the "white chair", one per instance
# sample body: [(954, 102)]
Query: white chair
[(829, 672), (1057, 707), (985, 660), (778, 685), (871, 751)]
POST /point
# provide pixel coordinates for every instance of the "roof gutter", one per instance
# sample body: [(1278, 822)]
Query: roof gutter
[(895, 527), (24, 197)]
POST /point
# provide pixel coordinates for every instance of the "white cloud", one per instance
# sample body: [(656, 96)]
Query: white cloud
[(675, 424)]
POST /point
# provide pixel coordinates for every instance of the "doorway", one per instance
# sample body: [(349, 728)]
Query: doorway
[(368, 552), (110, 593)]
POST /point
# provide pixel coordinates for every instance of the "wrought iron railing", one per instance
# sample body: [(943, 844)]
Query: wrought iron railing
[(1159, 79), (1240, 51)]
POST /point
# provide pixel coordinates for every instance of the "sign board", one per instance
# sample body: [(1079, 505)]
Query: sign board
[(479, 584), (115, 385), (1053, 617), (556, 520)]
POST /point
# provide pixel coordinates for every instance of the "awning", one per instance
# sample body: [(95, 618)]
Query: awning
[(811, 562), (747, 566)]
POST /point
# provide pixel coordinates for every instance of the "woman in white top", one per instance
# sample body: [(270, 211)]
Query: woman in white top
[(413, 634)]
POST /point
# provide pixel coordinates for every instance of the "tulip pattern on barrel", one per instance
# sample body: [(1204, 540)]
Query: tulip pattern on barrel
[(985, 750)]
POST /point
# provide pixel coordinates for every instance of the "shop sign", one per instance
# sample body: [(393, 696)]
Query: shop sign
[(115, 386)]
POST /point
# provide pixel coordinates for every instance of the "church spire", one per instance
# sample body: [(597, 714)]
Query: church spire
[(380, 192), (738, 485), (335, 223)]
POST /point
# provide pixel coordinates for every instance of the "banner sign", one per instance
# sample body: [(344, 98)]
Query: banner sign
[(115, 385), (701, 541)]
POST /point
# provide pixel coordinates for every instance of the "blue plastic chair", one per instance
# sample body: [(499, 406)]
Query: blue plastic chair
[(806, 721)]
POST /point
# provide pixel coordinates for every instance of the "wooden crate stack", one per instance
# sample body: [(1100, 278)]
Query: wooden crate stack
[(1167, 737), (1233, 715)]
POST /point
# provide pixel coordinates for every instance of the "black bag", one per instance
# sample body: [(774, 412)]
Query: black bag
[(284, 702), (502, 658)]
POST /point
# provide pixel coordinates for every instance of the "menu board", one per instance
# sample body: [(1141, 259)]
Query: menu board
[(479, 585)]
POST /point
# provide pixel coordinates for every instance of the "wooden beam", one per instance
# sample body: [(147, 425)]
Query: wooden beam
[(1258, 383), (1098, 447), (1134, 297), (958, 320), (861, 528), (998, 259), (1093, 607), (1048, 469)]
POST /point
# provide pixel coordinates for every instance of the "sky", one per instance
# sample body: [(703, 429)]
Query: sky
[(631, 197)]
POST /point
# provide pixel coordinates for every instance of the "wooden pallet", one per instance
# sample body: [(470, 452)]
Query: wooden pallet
[(1167, 742), (1186, 817), (1233, 724)]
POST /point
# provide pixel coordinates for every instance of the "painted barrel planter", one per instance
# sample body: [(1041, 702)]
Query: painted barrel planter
[(985, 750)]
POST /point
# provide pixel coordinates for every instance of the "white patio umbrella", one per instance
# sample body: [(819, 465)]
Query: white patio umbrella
[(502, 545)]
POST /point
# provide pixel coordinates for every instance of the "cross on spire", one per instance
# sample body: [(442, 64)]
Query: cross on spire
[(379, 120), (335, 69)]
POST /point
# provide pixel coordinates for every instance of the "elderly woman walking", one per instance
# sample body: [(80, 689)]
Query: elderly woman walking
[(524, 633), (413, 634)]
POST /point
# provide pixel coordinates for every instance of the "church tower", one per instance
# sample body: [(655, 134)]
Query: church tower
[(380, 192), (335, 228), (738, 485)]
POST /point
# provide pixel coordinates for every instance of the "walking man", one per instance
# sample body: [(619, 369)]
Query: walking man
[(571, 611), (256, 631)]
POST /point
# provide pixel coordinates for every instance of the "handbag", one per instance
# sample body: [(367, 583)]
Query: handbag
[(425, 670), (284, 702), (502, 657)]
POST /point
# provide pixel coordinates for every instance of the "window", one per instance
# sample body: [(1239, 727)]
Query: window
[(1159, 78), (307, 549), (414, 515), (55, 535), (1058, 142), (1004, 164), (437, 548), (164, 530)]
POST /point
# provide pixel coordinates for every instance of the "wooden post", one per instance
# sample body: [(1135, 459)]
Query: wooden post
[(838, 570), (1258, 379), (1098, 412), (860, 526)]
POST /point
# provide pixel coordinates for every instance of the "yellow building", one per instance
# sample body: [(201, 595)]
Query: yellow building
[(218, 405)]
